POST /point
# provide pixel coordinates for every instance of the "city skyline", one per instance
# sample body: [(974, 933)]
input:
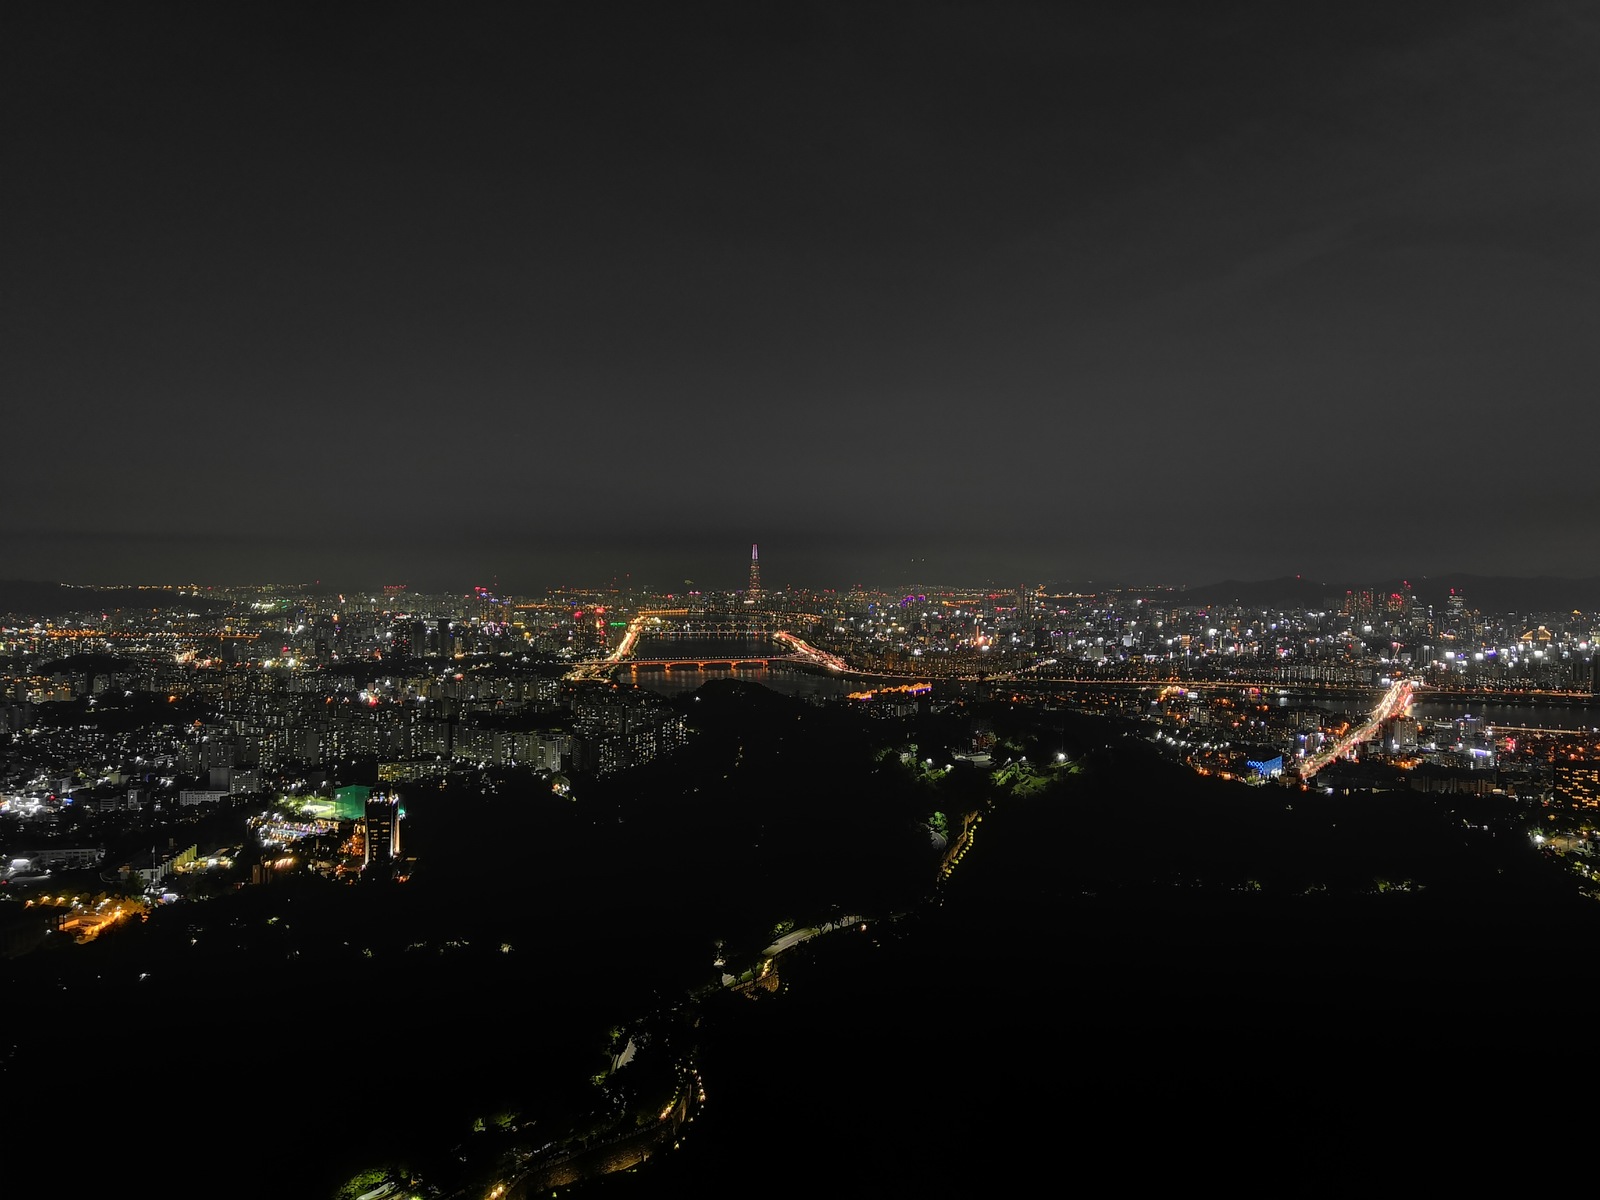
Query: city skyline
[(738, 577), (961, 294)]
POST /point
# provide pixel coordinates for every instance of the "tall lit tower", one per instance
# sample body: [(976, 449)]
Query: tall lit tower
[(382, 830), (752, 594)]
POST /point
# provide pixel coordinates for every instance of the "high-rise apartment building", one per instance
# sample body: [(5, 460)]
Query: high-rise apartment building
[(382, 830)]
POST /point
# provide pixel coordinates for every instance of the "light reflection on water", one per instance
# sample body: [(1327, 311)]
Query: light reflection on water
[(789, 681)]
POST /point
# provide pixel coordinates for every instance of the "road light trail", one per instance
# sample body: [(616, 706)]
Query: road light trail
[(809, 653), (600, 668), (1394, 702)]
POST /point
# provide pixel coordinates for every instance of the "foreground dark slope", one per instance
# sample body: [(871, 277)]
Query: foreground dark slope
[(344, 1025), (1104, 993), (1132, 968)]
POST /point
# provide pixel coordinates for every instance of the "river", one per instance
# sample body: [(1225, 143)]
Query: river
[(780, 677), (1438, 708), (804, 681)]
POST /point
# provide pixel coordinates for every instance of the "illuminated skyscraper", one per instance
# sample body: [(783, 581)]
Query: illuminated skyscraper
[(752, 594), (1455, 613), (382, 830)]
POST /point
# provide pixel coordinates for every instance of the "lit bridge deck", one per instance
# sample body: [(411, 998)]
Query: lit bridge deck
[(800, 653), (701, 664)]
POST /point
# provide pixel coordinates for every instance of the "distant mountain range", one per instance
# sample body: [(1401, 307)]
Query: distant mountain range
[(34, 598)]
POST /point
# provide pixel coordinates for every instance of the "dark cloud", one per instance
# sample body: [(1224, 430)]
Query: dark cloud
[(1042, 291)]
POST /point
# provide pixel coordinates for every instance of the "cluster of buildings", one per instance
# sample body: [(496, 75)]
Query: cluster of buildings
[(1547, 754), (119, 725), (278, 693), (203, 694), (1357, 639)]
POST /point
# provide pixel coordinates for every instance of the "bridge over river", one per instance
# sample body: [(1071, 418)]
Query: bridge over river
[(666, 621)]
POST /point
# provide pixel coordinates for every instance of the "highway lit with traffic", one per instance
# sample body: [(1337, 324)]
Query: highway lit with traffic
[(1394, 702)]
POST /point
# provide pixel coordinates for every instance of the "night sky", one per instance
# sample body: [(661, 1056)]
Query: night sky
[(937, 292)]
